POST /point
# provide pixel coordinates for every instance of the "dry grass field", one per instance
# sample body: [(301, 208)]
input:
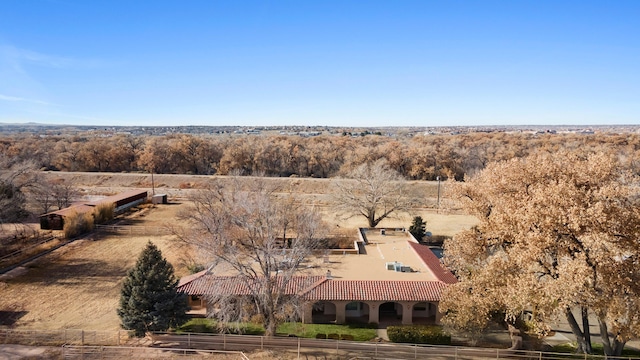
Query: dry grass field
[(78, 285)]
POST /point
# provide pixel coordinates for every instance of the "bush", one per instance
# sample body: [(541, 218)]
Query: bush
[(417, 334), (77, 224), (103, 213)]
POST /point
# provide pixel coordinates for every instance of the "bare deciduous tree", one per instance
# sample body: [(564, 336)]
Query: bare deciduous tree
[(53, 193), (558, 235), (244, 233), (14, 178), (375, 192)]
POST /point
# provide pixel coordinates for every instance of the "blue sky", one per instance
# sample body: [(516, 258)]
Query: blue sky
[(336, 63)]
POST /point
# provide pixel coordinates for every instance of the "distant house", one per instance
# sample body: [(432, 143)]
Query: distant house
[(397, 280), (55, 220)]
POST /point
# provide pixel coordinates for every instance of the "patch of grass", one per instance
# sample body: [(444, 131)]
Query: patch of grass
[(197, 325), (203, 325), (357, 332), (598, 349)]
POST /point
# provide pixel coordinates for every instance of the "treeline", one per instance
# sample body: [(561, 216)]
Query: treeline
[(419, 158)]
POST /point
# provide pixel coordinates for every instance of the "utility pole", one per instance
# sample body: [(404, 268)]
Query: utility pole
[(438, 179)]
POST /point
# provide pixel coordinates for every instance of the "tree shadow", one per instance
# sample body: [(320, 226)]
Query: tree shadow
[(79, 272), (9, 318)]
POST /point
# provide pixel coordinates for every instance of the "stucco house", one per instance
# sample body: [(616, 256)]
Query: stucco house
[(393, 279)]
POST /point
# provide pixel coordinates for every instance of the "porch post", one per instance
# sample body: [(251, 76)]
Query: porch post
[(438, 313), (374, 311), (407, 313), (307, 315), (341, 314)]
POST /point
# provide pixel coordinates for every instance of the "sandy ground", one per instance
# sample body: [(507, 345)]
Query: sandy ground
[(78, 285)]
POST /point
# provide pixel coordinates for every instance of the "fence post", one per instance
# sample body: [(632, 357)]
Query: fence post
[(82, 337), (189, 340), (298, 348), (261, 343), (497, 353), (415, 351), (456, 353), (376, 348), (224, 341)]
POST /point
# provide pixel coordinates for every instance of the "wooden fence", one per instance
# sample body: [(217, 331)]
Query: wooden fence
[(129, 352), (108, 344), (65, 336), (133, 229)]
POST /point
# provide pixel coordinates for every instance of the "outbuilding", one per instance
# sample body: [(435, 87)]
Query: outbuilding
[(55, 220)]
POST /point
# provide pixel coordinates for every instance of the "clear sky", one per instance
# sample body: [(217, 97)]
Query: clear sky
[(304, 62)]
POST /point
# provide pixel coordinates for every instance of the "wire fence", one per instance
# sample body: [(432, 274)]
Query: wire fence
[(65, 336), (72, 352), (355, 349), (108, 344), (133, 229)]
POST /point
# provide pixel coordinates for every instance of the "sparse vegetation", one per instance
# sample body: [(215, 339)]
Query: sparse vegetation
[(76, 224), (103, 213)]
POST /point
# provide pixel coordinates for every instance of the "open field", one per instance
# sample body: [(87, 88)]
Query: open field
[(78, 285)]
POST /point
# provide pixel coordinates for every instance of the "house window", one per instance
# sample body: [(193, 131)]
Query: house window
[(353, 306)]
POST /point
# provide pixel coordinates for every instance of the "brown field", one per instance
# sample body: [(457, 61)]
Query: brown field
[(78, 285)]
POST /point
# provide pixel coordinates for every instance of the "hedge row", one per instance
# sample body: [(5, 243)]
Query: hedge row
[(418, 334)]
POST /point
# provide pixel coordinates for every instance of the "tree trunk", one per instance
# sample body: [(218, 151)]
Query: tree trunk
[(373, 222), (586, 329), (270, 325), (575, 328), (610, 349)]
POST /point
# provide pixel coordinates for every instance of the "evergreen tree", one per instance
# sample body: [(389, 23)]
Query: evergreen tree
[(418, 228), (149, 300)]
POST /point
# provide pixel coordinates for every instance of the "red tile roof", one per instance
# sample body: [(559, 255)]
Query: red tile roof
[(203, 283), (432, 262), (318, 288), (376, 290)]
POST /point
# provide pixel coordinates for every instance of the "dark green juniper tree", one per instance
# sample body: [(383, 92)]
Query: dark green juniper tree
[(149, 300), (418, 228)]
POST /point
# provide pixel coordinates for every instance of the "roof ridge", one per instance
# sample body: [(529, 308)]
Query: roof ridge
[(428, 258), (313, 286), (189, 278)]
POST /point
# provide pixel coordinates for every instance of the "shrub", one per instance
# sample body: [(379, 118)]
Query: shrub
[(76, 224), (103, 213), (418, 334)]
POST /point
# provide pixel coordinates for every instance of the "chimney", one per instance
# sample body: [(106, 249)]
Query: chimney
[(329, 275)]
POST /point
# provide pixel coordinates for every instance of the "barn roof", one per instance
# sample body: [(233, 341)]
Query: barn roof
[(83, 207), (73, 209), (118, 197)]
